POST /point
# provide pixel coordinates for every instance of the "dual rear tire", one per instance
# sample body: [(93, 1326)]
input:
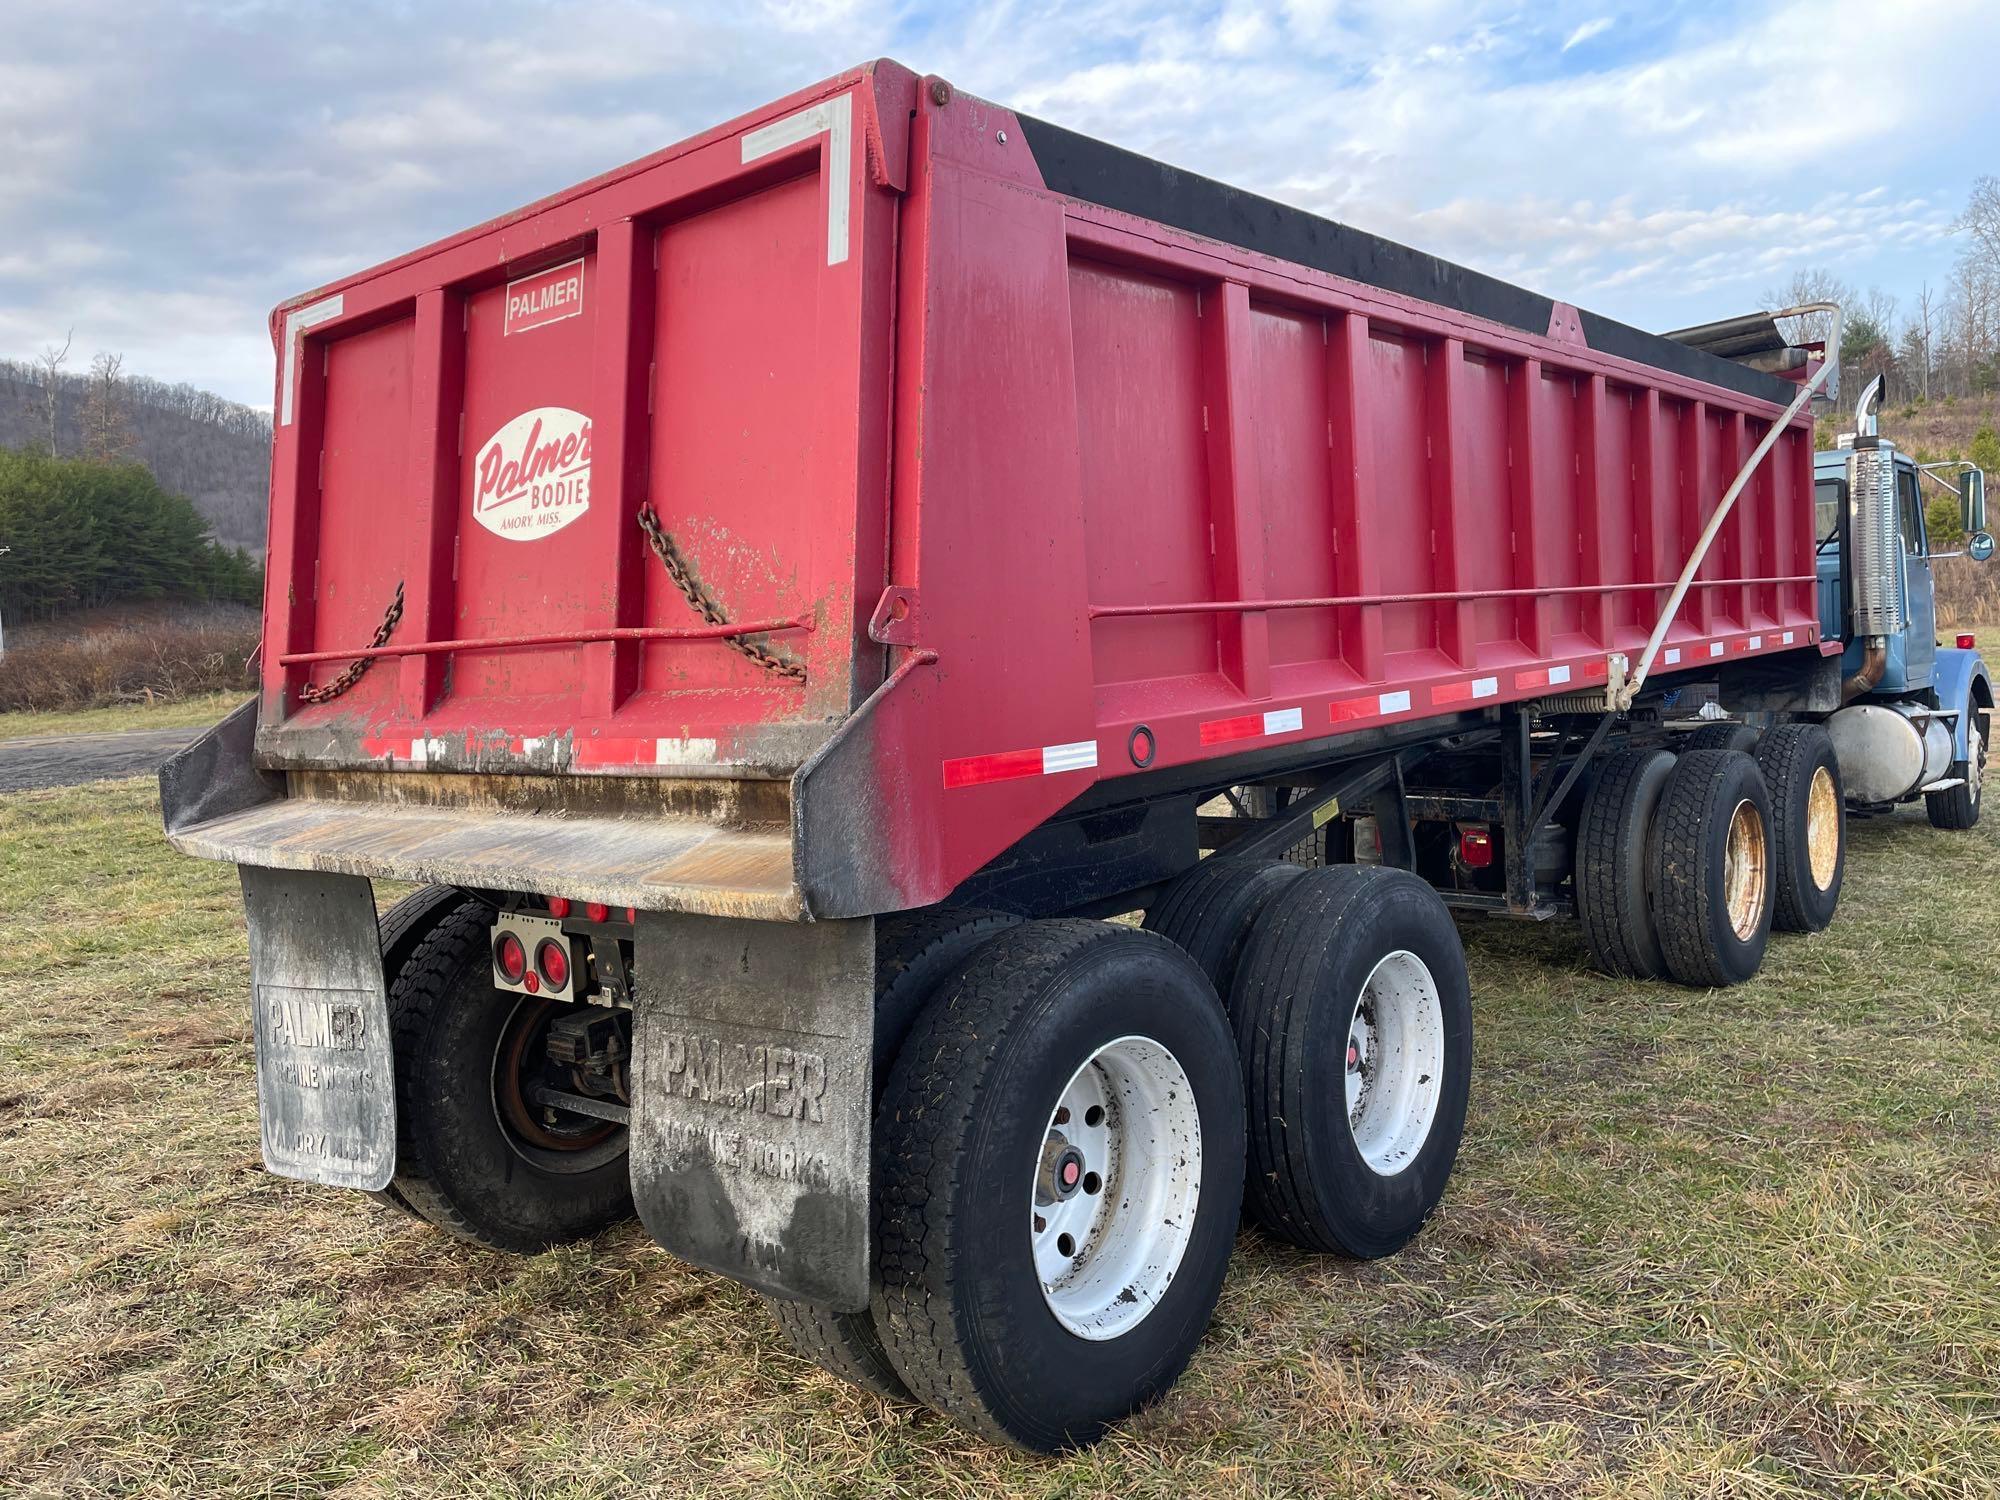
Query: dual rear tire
[(1685, 864)]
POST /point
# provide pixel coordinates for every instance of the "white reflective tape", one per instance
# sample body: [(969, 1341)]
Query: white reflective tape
[(1395, 703), (1284, 720), (1080, 756), (834, 118), (1558, 674), (1485, 687), (1673, 655), (1756, 643), (1788, 637), (1715, 648), (296, 324)]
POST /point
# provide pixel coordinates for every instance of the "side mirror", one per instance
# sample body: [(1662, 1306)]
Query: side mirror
[(1972, 498), (1979, 546)]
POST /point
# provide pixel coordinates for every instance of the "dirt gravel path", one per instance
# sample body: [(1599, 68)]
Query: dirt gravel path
[(71, 759)]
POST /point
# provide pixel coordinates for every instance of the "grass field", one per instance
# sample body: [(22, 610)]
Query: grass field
[(1741, 1243), (201, 709)]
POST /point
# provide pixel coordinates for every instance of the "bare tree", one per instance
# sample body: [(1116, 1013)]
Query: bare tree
[(107, 436), (1922, 324), (1814, 284), (49, 364)]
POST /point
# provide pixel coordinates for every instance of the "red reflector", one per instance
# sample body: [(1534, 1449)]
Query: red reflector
[(1966, 643), (531, 984), (597, 911), (631, 913), (510, 958), (1221, 731), (552, 958), (558, 906), (977, 770), (1475, 848)]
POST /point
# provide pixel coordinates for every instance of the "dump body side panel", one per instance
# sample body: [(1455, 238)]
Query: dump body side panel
[(1277, 506)]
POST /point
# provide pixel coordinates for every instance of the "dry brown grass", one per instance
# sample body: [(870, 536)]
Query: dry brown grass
[(1743, 1243), (159, 661)]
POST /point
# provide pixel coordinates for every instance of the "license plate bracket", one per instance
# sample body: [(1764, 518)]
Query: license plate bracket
[(326, 1093)]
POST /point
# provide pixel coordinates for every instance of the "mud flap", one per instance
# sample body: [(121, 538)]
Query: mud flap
[(326, 1091), (753, 1093)]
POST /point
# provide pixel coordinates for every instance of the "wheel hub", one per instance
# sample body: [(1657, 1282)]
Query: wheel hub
[(1115, 1189), (1823, 828), (1395, 1063), (1745, 866)]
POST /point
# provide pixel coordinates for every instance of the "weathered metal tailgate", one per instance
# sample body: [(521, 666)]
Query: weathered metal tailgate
[(598, 487)]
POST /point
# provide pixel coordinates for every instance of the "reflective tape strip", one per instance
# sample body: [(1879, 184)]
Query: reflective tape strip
[(1673, 656), (1715, 648), (1011, 765), (1540, 677), (1756, 643), (1789, 637), (1252, 726), (1466, 692), (1379, 706)]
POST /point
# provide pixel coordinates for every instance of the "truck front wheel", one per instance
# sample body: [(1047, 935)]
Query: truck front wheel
[(1958, 807), (1059, 1169), (474, 1155)]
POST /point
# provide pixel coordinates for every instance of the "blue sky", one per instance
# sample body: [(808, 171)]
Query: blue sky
[(170, 171)]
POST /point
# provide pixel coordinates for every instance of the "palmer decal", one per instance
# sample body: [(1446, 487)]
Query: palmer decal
[(544, 298), (532, 477)]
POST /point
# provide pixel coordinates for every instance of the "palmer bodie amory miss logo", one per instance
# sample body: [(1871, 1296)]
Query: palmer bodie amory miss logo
[(532, 477)]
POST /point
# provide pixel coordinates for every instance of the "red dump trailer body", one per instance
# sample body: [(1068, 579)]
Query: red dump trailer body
[(773, 595), (1022, 491)]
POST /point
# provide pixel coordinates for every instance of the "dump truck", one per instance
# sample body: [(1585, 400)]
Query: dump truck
[(998, 534)]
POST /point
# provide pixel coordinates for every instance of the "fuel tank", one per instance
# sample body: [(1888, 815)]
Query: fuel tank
[(1888, 751)]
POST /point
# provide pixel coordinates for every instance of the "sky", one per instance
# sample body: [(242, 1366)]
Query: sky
[(170, 171)]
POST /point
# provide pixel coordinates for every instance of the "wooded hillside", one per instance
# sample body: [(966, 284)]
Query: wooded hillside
[(215, 452)]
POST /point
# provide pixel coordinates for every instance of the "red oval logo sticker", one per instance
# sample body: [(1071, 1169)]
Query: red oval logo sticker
[(532, 477)]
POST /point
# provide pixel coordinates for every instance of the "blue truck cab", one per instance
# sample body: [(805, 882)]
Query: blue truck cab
[(1899, 680)]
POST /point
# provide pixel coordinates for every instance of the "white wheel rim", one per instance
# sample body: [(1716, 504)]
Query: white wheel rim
[(1975, 761), (1112, 1202), (1395, 1063)]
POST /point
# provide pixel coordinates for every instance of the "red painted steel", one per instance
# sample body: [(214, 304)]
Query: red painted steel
[(1120, 476)]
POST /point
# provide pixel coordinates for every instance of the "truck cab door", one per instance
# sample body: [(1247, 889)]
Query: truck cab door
[(1919, 644)]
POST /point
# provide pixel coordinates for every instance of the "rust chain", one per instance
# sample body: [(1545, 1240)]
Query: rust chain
[(683, 576), (357, 669)]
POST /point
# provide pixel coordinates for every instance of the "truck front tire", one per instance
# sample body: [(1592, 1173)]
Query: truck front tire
[(1353, 1015), (1957, 808), (1059, 1170), (1712, 868), (463, 1161)]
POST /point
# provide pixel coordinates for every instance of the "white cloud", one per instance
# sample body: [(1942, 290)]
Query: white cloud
[(1597, 26), (169, 178)]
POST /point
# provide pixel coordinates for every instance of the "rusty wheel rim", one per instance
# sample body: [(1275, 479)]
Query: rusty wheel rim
[(1823, 828), (1745, 867), (512, 1060)]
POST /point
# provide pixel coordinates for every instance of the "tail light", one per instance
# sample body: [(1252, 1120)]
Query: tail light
[(597, 911), (558, 906), (1475, 848), (1966, 642), (552, 960), (510, 957)]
